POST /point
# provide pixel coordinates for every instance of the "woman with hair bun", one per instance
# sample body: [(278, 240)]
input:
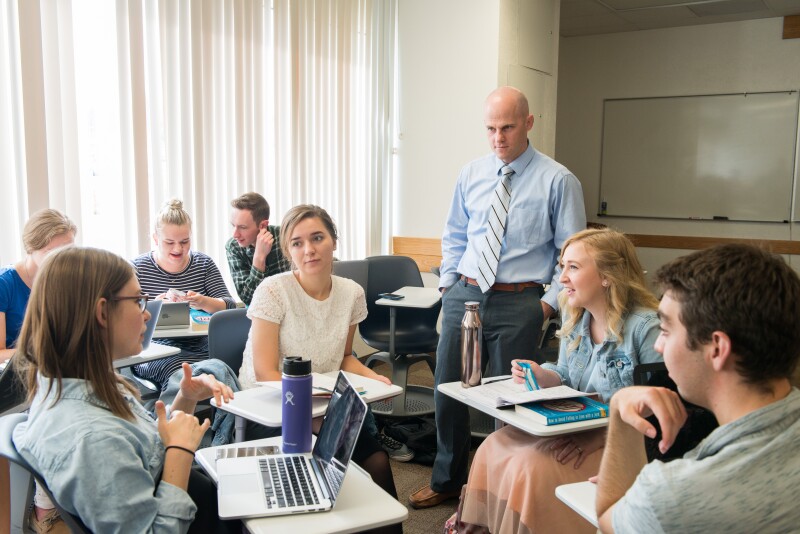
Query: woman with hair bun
[(173, 265)]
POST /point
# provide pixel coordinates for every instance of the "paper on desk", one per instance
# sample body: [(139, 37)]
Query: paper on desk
[(322, 385), (509, 392)]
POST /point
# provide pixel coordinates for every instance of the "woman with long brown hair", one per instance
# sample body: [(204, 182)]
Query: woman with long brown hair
[(105, 458)]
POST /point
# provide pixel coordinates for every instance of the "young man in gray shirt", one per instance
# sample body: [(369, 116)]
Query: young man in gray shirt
[(730, 336)]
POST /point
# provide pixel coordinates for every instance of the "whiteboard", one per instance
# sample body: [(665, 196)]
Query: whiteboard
[(700, 157)]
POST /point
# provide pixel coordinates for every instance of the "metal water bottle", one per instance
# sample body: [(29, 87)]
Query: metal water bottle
[(471, 342), (296, 407)]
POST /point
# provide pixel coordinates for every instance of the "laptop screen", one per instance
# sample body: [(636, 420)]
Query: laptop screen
[(339, 432), (154, 307)]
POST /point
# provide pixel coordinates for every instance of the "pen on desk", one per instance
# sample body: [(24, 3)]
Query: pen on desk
[(491, 380)]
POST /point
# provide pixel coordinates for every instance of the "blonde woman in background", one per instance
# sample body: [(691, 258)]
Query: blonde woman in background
[(174, 265), (609, 326), (45, 231)]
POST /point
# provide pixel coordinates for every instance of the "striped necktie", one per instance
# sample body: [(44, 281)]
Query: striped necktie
[(490, 248)]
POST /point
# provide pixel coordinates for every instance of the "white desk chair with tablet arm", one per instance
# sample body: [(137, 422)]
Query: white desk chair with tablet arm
[(581, 497)]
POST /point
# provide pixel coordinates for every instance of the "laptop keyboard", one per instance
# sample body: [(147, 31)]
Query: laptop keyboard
[(334, 478), (287, 482)]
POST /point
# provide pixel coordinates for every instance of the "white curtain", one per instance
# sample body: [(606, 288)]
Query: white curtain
[(144, 100), (12, 133)]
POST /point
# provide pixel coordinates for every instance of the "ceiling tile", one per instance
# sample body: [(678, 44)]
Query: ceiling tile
[(600, 21), (582, 8), (784, 7), (595, 31), (669, 15), (730, 7), (586, 17), (638, 4)]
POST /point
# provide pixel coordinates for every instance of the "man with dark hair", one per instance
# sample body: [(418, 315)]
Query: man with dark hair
[(254, 251), (730, 336)]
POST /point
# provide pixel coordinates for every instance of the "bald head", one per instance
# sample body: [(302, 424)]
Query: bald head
[(508, 96), (508, 121)]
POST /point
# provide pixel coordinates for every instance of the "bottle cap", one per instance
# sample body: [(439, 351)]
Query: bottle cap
[(296, 366), (472, 305)]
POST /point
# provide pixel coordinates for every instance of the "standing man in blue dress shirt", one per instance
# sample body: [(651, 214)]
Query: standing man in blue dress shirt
[(545, 207)]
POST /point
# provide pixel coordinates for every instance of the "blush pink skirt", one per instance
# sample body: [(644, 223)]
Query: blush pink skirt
[(512, 483)]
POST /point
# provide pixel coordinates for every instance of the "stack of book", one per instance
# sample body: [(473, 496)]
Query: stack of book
[(560, 411)]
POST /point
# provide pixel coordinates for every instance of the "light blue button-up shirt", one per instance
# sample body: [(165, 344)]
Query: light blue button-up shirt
[(101, 467), (546, 208)]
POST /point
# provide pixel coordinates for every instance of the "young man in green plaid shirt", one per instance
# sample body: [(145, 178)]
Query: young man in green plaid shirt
[(254, 251)]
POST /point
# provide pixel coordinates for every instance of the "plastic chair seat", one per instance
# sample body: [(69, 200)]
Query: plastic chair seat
[(413, 342), (415, 333), (22, 477)]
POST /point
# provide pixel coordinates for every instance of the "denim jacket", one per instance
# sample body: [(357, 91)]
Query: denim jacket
[(615, 361), (101, 467), (224, 422)]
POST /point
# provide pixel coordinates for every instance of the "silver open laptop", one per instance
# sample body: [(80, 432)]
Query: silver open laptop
[(173, 315), (283, 484), (154, 307)]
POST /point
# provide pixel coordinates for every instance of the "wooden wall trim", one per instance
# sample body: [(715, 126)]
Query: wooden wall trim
[(697, 243), (427, 252), (791, 27)]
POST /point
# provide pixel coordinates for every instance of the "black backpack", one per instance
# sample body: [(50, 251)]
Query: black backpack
[(418, 433)]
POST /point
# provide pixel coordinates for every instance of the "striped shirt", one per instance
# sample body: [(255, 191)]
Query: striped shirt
[(201, 276)]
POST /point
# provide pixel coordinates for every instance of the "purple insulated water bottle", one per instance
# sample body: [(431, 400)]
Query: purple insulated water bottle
[(296, 409)]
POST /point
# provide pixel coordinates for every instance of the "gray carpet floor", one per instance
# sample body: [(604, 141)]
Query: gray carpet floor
[(410, 476)]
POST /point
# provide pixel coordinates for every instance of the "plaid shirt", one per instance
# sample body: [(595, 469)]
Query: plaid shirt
[(240, 260)]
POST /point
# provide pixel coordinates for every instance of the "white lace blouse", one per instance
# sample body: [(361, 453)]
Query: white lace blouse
[(310, 328)]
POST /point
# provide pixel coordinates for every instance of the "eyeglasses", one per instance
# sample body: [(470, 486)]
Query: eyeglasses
[(141, 300)]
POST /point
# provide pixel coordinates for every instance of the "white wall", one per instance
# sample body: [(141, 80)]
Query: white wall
[(448, 52), (732, 57), (452, 53)]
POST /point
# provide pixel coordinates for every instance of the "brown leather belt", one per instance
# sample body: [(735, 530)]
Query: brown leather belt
[(513, 288)]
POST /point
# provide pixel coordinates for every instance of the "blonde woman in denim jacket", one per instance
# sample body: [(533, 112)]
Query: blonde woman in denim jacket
[(610, 326)]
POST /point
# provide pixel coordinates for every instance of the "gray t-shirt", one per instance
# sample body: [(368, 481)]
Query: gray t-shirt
[(742, 478)]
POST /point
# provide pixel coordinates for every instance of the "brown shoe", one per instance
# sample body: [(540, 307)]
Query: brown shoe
[(425, 497)]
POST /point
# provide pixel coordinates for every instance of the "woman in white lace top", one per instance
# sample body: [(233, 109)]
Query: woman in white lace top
[(308, 312)]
